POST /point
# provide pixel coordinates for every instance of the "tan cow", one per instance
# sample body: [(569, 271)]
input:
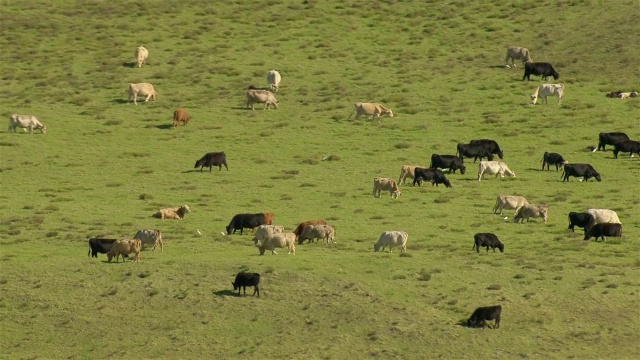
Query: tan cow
[(531, 211), (281, 240), (172, 213), (494, 167), (509, 202), (25, 122), (180, 116), (407, 171), (317, 232), (373, 110), (517, 52), (263, 231), (385, 184), (603, 216), (274, 78), (143, 89), (261, 96), (545, 90), (141, 55), (125, 247), (150, 237)]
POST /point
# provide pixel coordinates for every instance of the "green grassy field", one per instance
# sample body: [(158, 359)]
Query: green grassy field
[(105, 166)]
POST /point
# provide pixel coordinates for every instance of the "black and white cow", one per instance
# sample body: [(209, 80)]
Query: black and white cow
[(580, 170), (610, 139), (539, 68), (482, 314), (553, 159), (583, 220), (474, 151), (491, 146), (602, 230), (630, 146), (434, 175), (487, 240), (450, 162)]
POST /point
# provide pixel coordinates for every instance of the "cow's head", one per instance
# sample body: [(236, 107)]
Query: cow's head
[(500, 154), (395, 194), (198, 164), (388, 112), (376, 247), (229, 230), (501, 247), (509, 172), (43, 129), (597, 176), (262, 249)]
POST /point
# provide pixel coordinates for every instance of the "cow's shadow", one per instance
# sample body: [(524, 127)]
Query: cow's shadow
[(193, 171), (226, 293), (242, 108), (131, 64), (164, 126), (119, 101)]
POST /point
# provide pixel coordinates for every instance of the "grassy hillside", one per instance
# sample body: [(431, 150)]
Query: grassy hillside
[(104, 166)]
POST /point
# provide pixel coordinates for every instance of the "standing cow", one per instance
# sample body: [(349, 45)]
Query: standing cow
[(141, 55), (392, 239), (631, 146), (585, 171), (212, 159), (273, 78), (509, 202), (545, 90), (261, 97), (385, 184), (531, 211), (25, 122), (180, 116), (482, 314), (373, 110), (553, 159), (517, 53), (602, 230), (610, 138), (143, 89)]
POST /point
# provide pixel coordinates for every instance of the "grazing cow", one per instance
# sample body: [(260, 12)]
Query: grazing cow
[(244, 279), (212, 159), (180, 116), (545, 90), (517, 53), (582, 220), (261, 96), (373, 110), (482, 314), (491, 146), (280, 240), (273, 78), (494, 167), (385, 184), (142, 89), (150, 237), (610, 138), (450, 162), (141, 55), (602, 230), (317, 232), (407, 171), (392, 239), (539, 68), (25, 122), (487, 240), (172, 213), (434, 175), (599, 216), (531, 211), (300, 228), (263, 231), (580, 170), (632, 146), (509, 202), (553, 159), (125, 247), (99, 245), (474, 151), (249, 221)]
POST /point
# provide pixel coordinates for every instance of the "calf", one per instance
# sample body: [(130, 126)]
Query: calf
[(212, 159), (539, 68), (474, 151), (244, 279), (491, 146), (487, 240), (610, 139), (553, 159), (434, 175), (450, 162), (602, 230), (241, 221), (482, 314), (580, 170), (630, 146), (582, 220), (531, 211)]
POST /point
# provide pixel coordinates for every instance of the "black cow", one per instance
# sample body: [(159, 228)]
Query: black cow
[(630, 146), (487, 240), (482, 314), (450, 162), (579, 170), (434, 175), (539, 68), (602, 230), (474, 151), (610, 139), (583, 220), (241, 221), (244, 279), (212, 159), (491, 146), (99, 245), (553, 159)]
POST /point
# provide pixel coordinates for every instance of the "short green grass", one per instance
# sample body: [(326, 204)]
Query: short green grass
[(105, 166)]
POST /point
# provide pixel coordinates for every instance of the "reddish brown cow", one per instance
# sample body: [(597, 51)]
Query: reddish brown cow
[(180, 116), (300, 228), (268, 218)]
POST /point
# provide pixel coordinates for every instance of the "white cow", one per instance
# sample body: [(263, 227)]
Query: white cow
[(279, 241), (150, 237), (263, 231), (603, 216), (261, 96), (373, 110), (545, 90), (494, 167), (531, 211), (509, 202), (141, 55), (392, 239), (143, 89), (517, 52), (273, 78), (25, 122), (407, 171), (385, 184)]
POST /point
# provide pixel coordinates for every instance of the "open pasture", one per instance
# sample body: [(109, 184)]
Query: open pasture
[(105, 166)]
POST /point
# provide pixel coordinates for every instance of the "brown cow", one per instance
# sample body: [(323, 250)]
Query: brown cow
[(300, 228), (180, 116), (125, 247)]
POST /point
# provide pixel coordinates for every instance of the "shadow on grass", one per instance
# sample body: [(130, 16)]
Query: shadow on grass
[(119, 101), (131, 64), (164, 126), (242, 108), (226, 293)]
